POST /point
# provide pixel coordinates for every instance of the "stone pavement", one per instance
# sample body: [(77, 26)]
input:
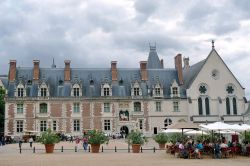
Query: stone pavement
[(9, 156)]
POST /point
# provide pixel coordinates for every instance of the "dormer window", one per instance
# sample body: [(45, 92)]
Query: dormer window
[(106, 90), (76, 90), (136, 89), (158, 90), (43, 90), (20, 91), (175, 90)]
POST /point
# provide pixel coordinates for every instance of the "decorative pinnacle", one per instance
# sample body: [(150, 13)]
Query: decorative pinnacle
[(212, 44)]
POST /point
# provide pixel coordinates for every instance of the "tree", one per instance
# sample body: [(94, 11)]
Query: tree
[(2, 107)]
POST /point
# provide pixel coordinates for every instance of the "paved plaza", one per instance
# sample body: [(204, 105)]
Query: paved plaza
[(10, 156)]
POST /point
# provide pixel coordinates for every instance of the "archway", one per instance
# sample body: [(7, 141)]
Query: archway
[(124, 130)]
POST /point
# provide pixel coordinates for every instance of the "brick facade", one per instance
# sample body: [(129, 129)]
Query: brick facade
[(97, 112), (11, 114), (30, 117), (86, 116)]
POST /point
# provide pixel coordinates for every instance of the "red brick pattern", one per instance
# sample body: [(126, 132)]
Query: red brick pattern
[(10, 124), (86, 115), (56, 110), (145, 107), (12, 70), (30, 117), (97, 115), (113, 114), (68, 118)]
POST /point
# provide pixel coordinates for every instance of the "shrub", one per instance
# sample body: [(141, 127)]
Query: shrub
[(49, 137), (136, 137), (161, 138), (97, 137)]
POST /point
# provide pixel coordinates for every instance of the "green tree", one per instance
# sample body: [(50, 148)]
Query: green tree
[(2, 107)]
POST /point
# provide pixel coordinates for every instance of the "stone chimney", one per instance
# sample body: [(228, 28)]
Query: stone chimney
[(67, 70), (36, 69), (186, 63), (162, 63), (178, 67), (143, 67), (12, 70), (114, 70)]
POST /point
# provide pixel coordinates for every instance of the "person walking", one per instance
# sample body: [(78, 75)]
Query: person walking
[(20, 141), (31, 141), (85, 143)]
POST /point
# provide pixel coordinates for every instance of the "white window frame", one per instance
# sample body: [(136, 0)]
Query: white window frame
[(76, 125), (19, 126), (141, 125), (43, 125), (54, 125), (158, 106), (107, 125), (176, 106), (106, 90), (76, 108), (76, 90), (20, 90), (19, 108), (136, 89), (43, 90), (106, 107)]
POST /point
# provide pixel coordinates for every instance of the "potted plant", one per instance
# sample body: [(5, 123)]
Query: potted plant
[(136, 139), (161, 139), (96, 138), (49, 139)]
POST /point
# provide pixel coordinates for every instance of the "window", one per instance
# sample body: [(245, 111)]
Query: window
[(107, 125), (19, 109), (137, 107), (43, 92), (207, 106), (203, 89), (234, 106), (136, 91), (228, 106), (141, 124), (43, 108), (76, 125), (200, 106), (76, 92), (176, 106), (76, 108), (19, 126), (230, 89), (20, 92), (43, 125), (106, 107), (175, 91), (157, 91), (167, 122), (54, 125), (158, 106), (106, 91)]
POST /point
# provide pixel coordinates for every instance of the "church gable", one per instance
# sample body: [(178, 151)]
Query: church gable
[(217, 76)]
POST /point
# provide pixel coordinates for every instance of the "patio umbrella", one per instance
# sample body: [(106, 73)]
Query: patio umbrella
[(167, 131), (216, 126), (195, 132), (183, 125)]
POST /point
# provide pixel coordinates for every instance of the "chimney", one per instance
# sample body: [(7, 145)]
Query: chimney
[(186, 63), (143, 67), (114, 70), (36, 69), (178, 67), (12, 70), (162, 63), (67, 70)]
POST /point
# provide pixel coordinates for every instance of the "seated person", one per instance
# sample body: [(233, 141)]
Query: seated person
[(198, 149), (181, 148)]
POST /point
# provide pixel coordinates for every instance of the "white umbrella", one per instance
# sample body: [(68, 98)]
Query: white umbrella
[(216, 126), (196, 132), (174, 131)]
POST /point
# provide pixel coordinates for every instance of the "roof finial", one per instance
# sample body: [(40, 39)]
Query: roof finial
[(212, 44), (53, 64), (152, 48)]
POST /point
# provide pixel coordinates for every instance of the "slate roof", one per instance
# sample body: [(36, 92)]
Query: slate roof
[(153, 59)]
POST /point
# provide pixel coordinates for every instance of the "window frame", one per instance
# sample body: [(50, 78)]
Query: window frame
[(43, 125), (176, 106), (158, 106), (19, 126), (19, 107), (106, 107), (43, 109), (137, 107), (76, 125), (76, 108), (107, 125)]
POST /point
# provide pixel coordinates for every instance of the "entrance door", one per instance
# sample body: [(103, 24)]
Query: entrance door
[(155, 130), (124, 130)]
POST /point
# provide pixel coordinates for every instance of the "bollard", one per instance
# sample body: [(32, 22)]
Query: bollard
[(154, 149), (34, 149), (75, 148), (62, 149), (115, 149), (141, 149), (89, 148), (128, 149), (102, 148)]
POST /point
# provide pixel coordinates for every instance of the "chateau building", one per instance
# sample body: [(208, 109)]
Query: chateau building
[(148, 98)]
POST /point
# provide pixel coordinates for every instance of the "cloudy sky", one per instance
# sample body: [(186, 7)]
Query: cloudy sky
[(91, 33)]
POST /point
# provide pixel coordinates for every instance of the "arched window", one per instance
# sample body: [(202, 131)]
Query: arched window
[(137, 107), (228, 106), (167, 122), (234, 106), (43, 108), (207, 106), (200, 106)]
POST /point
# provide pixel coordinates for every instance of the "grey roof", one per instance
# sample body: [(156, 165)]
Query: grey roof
[(4, 81), (153, 59)]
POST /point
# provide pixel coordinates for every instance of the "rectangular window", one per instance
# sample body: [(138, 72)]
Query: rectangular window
[(43, 92), (43, 125), (43, 108), (137, 107), (140, 124), (76, 92), (158, 106), (20, 92), (76, 107), (157, 91), (54, 125), (106, 107), (19, 126), (19, 109), (176, 106), (136, 91), (76, 125), (106, 91), (107, 125), (175, 91)]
